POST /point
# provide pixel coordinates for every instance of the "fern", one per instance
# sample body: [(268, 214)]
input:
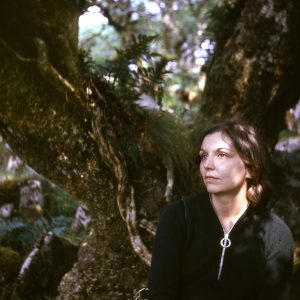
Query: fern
[(136, 70), (139, 48), (169, 140), (10, 228), (223, 19), (21, 236), (18, 235)]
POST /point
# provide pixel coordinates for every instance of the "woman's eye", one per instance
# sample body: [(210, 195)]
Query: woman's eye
[(202, 157), (221, 155)]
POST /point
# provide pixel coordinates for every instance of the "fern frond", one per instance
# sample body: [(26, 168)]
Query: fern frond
[(168, 138), (135, 71), (10, 227)]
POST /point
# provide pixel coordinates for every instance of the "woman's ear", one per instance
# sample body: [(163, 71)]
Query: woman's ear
[(248, 176)]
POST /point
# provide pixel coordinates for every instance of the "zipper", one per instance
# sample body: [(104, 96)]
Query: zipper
[(225, 243)]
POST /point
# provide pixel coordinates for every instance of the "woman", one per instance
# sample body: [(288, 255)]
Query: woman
[(223, 243)]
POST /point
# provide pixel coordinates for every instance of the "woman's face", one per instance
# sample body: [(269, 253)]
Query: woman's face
[(221, 167)]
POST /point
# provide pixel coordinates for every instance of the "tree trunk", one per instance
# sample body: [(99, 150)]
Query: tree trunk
[(86, 146), (254, 74), (49, 121)]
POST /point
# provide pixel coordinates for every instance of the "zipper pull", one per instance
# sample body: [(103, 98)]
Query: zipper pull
[(225, 241)]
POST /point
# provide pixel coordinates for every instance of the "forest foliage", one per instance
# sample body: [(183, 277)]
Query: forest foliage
[(145, 64)]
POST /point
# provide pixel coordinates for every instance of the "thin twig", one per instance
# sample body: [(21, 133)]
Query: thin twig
[(150, 227), (170, 181), (47, 69)]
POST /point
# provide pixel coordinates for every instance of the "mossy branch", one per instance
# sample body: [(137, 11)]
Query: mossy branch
[(131, 220), (150, 227), (113, 159), (49, 72), (168, 138), (116, 162), (16, 54)]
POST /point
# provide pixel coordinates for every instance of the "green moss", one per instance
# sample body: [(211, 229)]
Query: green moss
[(10, 263), (285, 134)]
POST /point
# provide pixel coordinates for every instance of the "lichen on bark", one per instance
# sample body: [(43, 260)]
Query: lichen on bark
[(247, 77), (50, 121)]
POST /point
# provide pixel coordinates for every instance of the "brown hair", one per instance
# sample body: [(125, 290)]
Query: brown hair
[(245, 140)]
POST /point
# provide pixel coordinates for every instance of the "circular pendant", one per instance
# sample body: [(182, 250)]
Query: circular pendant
[(225, 242)]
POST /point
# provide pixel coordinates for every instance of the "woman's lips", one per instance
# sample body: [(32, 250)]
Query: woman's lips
[(210, 178)]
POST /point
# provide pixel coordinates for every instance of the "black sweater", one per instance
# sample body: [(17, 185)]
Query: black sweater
[(187, 254)]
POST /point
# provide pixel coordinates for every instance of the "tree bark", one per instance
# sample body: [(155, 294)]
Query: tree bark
[(48, 119), (254, 72), (86, 146)]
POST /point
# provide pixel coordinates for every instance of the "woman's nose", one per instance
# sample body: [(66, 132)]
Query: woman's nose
[(208, 163)]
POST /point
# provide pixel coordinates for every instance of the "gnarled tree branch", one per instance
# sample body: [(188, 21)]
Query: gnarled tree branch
[(170, 180), (150, 227), (49, 72), (138, 246), (16, 54), (112, 159)]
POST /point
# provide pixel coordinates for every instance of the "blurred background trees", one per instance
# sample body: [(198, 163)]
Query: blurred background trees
[(106, 99), (183, 44)]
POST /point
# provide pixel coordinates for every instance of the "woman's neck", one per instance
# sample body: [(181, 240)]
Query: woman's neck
[(229, 208)]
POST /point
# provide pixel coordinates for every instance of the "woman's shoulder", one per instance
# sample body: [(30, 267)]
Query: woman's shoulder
[(276, 223), (181, 206), (277, 231), (197, 199)]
